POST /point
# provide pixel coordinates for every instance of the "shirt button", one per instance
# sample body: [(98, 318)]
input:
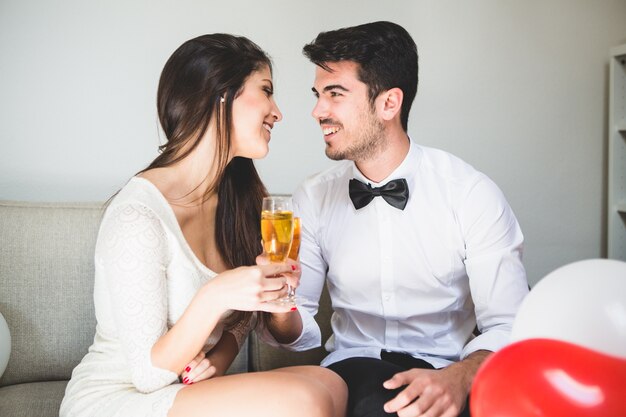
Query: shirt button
[(387, 297)]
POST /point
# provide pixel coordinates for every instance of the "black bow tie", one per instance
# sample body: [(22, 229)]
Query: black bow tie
[(395, 192)]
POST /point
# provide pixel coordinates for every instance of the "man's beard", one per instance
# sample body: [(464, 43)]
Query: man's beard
[(370, 141)]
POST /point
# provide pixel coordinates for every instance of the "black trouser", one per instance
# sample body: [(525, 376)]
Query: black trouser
[(365, 377)]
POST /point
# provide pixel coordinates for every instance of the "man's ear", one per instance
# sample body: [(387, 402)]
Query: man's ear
[(389, 103)]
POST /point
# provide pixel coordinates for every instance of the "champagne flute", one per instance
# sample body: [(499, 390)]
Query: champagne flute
[(295, 242), (294, 253), (277, 233)]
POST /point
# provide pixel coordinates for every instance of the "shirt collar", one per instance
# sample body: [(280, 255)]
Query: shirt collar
[(406, 169)]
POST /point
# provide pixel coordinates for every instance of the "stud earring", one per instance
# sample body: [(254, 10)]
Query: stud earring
[(222, 99)]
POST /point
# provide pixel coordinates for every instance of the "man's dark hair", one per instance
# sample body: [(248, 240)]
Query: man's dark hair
[(385, 52)]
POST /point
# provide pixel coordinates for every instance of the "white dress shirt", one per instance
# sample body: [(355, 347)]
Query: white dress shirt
[(415, 281)]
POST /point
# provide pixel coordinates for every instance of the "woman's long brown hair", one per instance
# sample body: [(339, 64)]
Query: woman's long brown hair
[(200, 81)]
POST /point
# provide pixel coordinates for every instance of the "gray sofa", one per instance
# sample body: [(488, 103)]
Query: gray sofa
[(46, 297)]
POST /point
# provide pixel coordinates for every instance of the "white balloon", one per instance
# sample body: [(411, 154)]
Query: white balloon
[(583, 303), (5, 344)]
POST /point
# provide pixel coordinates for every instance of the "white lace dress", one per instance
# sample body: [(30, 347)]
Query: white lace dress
[(146, 275)]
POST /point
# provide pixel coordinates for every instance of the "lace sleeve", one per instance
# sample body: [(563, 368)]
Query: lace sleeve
[(133, 252), (241, 329)]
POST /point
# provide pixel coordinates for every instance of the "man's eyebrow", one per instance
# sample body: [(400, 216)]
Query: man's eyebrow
[(332, 87), (335, 87)]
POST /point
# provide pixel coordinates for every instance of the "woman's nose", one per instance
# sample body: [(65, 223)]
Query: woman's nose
[(278, 116)]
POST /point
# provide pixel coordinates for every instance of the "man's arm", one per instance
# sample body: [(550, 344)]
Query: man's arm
[(285, 327), (493, 262), (497, 283)]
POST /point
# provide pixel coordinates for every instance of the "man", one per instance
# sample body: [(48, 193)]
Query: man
[(417, 248)]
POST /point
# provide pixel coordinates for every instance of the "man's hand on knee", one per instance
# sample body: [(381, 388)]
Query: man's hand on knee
[(434, 393), (427, 393)]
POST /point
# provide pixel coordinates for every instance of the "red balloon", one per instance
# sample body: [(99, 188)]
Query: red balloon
[(548, 378)]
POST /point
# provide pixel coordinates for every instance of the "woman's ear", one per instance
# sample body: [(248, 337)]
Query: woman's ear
[(389, 103)]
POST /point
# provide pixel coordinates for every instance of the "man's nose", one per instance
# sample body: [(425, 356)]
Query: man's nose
[(320, 111)]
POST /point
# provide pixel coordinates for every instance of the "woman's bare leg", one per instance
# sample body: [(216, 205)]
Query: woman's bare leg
[(287, 392), (332, 382)]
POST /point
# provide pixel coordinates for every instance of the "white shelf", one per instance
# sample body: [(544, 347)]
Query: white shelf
[(616, 233), (619, 52)]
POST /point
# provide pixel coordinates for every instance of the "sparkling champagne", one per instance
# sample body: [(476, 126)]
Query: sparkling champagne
[(277, 232), (295, 242)]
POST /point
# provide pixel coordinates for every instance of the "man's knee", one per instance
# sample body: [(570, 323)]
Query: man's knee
[(370, 401), (365, 377)]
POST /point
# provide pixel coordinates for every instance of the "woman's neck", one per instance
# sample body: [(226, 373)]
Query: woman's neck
[(190, 181)]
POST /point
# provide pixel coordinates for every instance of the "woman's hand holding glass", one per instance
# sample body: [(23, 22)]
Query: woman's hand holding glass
[(251, 288), (291, 277)]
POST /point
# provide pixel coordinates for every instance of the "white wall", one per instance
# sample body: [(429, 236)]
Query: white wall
[(516, 88)]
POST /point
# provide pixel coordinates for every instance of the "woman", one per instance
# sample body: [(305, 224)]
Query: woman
[(175, 294)]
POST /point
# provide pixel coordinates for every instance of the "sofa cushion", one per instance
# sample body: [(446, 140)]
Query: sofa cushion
[(46, 287), (41, 399)]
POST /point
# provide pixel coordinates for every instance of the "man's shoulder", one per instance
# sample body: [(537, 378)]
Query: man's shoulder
[(458, 177), (447, 166), (329, 177), (326, 189)]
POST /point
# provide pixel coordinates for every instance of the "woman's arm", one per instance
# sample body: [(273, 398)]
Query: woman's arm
[(180, 345), (223, 353), (133, 254), (215, 363), (244, 289)]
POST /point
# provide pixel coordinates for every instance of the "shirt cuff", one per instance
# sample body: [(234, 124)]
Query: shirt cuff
[(310, 338), (492, 340)]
